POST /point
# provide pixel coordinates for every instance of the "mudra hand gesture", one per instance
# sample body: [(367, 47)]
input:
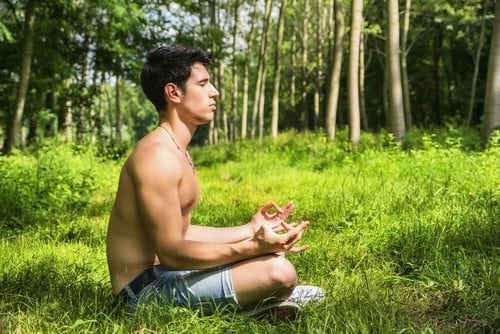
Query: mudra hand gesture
[(271, 219), (271, 215)]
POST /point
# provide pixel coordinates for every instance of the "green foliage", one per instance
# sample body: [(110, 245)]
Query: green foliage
[(403, 237), (50, 179)]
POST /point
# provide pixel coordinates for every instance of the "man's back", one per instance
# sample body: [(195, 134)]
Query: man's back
[(130, 249)]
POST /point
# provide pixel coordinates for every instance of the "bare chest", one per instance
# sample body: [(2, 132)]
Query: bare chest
[(189, 192)]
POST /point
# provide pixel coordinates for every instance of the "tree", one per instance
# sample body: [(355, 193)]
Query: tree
[(334, 85), (491, 119), (396, 108), (353, 81), (249, 38), (277, 71), (234, 73), (404, 67), (258, 103), (24, 76)]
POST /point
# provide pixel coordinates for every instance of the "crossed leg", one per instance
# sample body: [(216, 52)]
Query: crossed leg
[(263, 277)]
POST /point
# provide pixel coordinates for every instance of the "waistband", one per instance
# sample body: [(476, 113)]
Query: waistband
[(145, 278)]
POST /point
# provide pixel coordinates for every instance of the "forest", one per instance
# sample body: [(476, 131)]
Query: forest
[(378, 119), (69, 69)]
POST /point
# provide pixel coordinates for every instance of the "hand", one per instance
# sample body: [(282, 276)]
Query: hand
[(271, 242), (271, 215)]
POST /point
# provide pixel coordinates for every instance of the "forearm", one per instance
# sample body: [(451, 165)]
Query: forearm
[(189, 254), (218, 235)]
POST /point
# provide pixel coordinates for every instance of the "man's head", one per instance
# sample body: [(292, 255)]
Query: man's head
[(169, 64)]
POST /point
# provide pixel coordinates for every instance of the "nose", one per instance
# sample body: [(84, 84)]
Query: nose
[(214, 91)]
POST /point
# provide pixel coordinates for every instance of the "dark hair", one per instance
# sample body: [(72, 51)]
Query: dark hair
[(169, 64)]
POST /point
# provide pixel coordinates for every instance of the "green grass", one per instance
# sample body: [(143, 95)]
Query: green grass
[(404, 238)]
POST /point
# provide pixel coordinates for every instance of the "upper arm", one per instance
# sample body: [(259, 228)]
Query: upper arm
[(156, 174)]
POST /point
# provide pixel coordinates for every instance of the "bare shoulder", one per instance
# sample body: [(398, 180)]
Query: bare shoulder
[(153, 159)]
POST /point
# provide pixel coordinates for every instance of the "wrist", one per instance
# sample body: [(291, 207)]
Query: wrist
[(250, 229)]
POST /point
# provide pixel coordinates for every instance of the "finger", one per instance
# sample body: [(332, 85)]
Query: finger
[(293, 235), (292, 226), (278, 227), (271, 206), (287, 209), (298, 249)]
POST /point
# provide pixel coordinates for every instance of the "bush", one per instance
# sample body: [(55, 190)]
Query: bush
[(52, 178)]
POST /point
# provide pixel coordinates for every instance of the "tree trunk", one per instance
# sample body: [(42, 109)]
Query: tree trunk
[(321, 35), (333, 93), (80, 121), (293, 61), (304, 119), (477, 58), (396, 108), (362, 105), (244, 107), (118, 110), (353, 82), (223, 121), (213, 132), (68, 120), (92, 115), (277, 72), (24, 76), (234, 76), (491, 119), (404, 69), (261, 75)]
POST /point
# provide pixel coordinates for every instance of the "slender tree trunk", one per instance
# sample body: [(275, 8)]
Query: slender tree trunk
[(333, 93), (244, 107), (100, 111), (213, 132), (304, 66), (68, 121), (293, 61), (362, 105), (234, 76), (49, 128), (92, 107), (472, 101), (109, 100), (353, 83), (396, 108), (491, 119), (118, 110), (221, 107), (404, 69), (258, 103), (80, 120), (320, 37), (24, 76), (277, 72)]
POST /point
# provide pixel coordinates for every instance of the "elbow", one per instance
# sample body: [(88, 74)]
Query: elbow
[(171, 260)]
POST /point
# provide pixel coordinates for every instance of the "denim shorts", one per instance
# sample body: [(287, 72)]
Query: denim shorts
[(201, 290)]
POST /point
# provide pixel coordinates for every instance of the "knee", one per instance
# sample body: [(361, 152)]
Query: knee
[(283, 275)]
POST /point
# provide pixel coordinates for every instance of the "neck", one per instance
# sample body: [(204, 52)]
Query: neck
[(180, 131)]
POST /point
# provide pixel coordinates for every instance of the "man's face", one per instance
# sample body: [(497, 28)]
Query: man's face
[(198, 98)]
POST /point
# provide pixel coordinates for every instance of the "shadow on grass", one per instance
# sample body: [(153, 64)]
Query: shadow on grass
[(50, 287)]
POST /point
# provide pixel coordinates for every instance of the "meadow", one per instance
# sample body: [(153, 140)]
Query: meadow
[(404, 238)]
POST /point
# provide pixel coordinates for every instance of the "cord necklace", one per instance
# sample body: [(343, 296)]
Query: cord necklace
[(186, 154)]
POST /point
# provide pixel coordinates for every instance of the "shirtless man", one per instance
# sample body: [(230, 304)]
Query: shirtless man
[(153, 250)]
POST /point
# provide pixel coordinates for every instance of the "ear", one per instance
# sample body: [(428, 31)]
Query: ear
[(172, 92)]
